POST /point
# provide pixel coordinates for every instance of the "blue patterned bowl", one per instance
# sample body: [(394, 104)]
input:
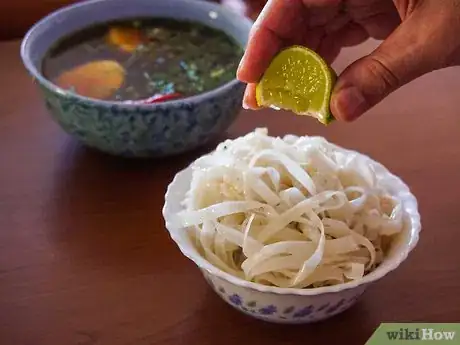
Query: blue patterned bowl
[(289, 305), (137, 130)]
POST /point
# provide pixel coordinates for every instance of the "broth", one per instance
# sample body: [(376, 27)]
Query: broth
[(143, 59)]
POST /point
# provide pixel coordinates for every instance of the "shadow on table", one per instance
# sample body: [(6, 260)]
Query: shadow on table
[(107, 210)]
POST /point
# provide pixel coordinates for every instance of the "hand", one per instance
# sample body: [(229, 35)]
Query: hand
[(419, 37)]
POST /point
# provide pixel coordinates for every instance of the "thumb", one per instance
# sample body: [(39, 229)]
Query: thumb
[(405, 55)]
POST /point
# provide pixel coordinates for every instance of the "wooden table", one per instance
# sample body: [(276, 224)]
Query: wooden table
[(85, 259), (26, 12)]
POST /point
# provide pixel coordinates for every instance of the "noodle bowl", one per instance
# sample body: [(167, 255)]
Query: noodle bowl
[(292, 229), (292, 212)]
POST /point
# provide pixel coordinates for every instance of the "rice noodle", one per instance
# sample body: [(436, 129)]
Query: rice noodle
[(290, 212)]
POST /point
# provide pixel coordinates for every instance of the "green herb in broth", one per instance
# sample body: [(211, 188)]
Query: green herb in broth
[(159, 56)]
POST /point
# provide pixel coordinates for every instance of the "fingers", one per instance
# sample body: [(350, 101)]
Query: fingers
[(378, 17), (278, 24), (328, 47), (331, 45), (249, 99), (405, 55), (262, 47)]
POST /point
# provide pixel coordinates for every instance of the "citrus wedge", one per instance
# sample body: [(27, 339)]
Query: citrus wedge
[(299, 80)]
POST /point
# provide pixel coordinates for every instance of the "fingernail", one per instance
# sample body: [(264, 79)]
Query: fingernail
[(245, 106), (349, 103), (240, 66)]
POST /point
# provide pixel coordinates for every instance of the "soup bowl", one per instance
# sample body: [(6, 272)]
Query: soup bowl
[(136, 130)]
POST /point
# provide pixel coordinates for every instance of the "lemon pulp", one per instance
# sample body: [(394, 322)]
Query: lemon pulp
[(299, 80)]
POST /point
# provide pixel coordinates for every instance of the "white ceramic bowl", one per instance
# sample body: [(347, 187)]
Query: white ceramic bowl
[(288, 305)]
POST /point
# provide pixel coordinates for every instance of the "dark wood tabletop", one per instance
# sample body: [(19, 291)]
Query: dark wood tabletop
[(18, 15), (85, 258)]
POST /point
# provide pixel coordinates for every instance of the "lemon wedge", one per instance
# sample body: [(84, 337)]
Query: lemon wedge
[(299, 80)]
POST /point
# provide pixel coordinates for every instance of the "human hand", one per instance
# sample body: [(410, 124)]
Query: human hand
[(419, 36)]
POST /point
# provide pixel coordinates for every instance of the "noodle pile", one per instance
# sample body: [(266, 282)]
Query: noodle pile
[(293, 212)]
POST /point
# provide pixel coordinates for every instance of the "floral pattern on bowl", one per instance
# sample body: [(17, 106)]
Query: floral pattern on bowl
[(284, 308), (142, 131)]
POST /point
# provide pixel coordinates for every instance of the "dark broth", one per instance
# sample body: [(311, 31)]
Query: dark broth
[(158, 56)]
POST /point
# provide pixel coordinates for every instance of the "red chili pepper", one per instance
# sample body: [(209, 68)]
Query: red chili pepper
[(157, 98)]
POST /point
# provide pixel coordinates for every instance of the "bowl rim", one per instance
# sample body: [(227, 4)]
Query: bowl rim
[(25, 52), (410, 205)]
